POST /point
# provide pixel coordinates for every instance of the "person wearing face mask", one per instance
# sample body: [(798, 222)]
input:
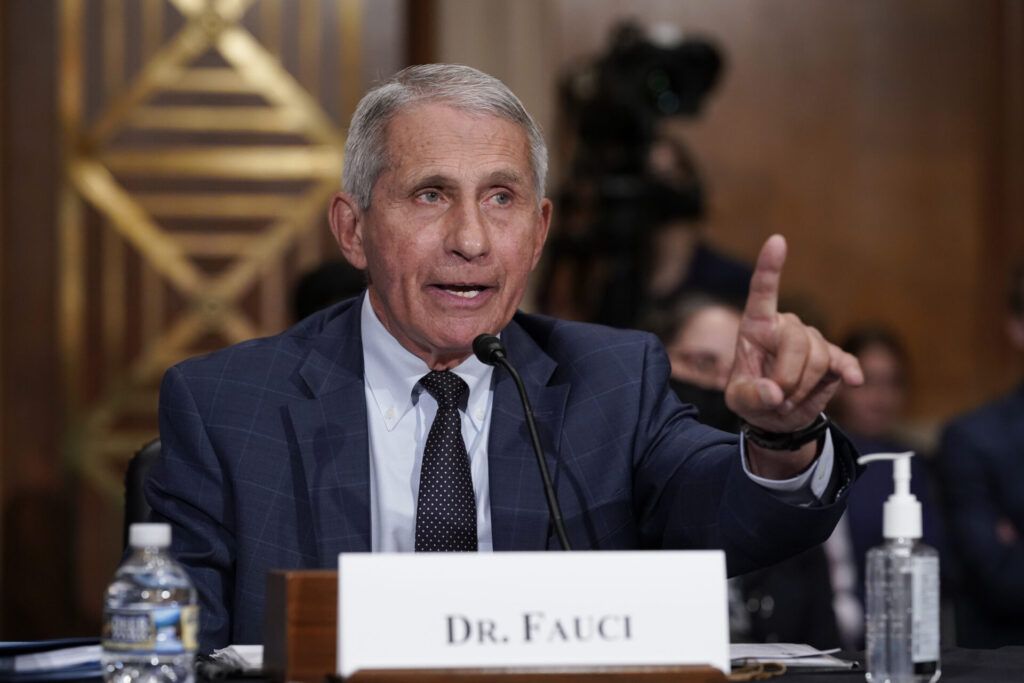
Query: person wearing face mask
[(790, 601), (700, 338)]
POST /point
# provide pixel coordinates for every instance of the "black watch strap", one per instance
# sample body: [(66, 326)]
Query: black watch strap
[(786, 441)]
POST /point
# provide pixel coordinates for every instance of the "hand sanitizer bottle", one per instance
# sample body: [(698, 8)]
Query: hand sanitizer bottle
[(902, 589)]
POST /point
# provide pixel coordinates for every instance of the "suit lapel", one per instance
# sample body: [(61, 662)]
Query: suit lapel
[(331, 438), (519, 513)]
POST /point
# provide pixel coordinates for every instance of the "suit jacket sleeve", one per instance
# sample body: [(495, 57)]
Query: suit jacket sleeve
[(187, 490), (693, 493)]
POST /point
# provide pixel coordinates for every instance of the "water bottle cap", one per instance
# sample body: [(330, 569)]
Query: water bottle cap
[(149, 535)]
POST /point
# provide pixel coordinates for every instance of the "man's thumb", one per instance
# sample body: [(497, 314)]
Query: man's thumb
[(750, 396)]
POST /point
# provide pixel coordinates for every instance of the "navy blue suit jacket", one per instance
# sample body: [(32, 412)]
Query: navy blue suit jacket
[(265, 461), (982, 468)]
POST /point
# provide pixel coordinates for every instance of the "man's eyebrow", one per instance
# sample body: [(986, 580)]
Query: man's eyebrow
[(433, 180), (505, 177), (500, 177)]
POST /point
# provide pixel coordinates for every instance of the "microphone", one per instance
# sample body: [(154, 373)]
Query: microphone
[(489, 349)]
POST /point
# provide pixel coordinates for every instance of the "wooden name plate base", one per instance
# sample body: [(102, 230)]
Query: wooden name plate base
[(300, 625), (300, 644)]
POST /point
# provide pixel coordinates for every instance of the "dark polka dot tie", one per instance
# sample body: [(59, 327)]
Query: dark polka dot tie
[(446, 508)]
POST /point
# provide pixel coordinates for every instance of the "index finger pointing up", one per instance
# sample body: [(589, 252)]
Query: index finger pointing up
[(763, 300)]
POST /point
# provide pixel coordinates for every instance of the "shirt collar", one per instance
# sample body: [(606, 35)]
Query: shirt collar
[(392, 374)]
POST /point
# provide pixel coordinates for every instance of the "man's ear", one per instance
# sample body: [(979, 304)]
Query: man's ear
[(347, 227), (544, 222)]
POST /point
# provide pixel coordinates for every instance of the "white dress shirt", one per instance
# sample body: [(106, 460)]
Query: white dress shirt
[(399, 414)]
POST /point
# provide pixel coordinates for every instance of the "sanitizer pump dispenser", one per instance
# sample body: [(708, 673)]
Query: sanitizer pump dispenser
[(902, 589)]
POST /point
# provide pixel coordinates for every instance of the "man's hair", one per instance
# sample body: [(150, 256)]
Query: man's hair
[(1017, 290), (461, 87)]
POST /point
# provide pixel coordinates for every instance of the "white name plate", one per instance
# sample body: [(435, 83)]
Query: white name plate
[(456, 610)]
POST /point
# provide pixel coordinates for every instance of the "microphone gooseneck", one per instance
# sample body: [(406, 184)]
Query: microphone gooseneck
[(489, 349)]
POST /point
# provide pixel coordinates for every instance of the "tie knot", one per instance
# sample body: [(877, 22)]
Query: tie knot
[(446, 387)]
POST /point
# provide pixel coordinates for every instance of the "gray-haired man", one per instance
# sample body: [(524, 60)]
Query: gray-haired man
[(371, 426)]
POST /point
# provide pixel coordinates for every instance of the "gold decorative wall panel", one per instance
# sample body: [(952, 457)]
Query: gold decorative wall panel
[(202, 141)]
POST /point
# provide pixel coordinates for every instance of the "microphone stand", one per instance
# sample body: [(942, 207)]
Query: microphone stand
[(491, 351)]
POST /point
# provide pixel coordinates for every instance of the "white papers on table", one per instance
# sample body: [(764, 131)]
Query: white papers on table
[(793, 655), (246, 658), (51, 660)]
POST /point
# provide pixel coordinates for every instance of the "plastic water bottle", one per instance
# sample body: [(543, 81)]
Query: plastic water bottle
[(902, 590), (150, 616)]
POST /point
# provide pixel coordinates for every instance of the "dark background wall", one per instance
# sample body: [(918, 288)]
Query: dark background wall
[(37, 569)]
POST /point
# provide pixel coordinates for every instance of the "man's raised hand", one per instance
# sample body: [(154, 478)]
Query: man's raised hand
[(785, 372)]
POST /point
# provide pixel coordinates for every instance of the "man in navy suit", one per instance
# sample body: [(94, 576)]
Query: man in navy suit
[(981, 463), (283, 452)]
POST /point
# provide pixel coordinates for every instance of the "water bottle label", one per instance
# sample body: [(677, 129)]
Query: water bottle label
[(162, 630), (925, 587)]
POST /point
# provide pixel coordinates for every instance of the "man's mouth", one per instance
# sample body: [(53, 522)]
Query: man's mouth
[(463, 291)]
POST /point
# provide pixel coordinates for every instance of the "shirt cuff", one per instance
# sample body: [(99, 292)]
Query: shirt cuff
[(806, 488)]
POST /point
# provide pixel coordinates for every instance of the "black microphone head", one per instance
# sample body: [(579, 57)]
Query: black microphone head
[(488, 349)]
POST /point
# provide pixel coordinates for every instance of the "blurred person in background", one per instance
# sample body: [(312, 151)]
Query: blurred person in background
[(981, 462), (790, 601), (699, 335), (870, 416), (872, 412)]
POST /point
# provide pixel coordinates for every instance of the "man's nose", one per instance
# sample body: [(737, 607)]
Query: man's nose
[(468, 234)]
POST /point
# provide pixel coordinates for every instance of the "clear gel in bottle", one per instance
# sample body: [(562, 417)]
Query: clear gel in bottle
[(902, 590)]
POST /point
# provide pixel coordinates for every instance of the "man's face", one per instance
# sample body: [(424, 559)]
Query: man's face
[(453, 230)]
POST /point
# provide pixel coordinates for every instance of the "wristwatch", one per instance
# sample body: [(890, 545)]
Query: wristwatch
[(786, 441)]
